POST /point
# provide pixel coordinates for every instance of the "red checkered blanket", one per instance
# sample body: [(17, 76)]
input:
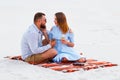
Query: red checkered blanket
[(71, 66)]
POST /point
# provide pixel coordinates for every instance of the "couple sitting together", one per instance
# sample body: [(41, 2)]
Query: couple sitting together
[(39, 45)]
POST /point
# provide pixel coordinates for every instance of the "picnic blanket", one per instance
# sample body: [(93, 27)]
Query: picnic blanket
[(71, 66)]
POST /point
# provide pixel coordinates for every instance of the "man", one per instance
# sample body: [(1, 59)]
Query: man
[(33, 50)]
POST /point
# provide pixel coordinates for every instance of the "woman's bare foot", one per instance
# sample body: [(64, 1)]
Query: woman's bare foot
[(82, 60), (64, 60)]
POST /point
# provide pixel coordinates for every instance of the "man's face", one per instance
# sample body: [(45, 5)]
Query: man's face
[(43, 20)]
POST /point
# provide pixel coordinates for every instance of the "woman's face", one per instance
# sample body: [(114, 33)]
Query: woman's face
[(55, 20)]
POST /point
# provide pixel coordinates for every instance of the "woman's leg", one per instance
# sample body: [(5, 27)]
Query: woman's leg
[(81, 60)]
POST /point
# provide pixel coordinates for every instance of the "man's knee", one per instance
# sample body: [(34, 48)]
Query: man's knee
[(53, 51)]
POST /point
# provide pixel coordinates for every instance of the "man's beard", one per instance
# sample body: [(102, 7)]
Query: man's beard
[(43, 26)]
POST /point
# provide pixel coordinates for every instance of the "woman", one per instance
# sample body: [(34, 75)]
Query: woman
[(64, 40)]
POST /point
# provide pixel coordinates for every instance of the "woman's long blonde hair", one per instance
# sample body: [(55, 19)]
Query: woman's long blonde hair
[(62, 22)]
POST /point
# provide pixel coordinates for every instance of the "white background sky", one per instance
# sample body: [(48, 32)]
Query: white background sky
[(96, 24)]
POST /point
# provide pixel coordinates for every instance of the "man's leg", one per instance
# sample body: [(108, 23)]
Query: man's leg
[(42, 57)]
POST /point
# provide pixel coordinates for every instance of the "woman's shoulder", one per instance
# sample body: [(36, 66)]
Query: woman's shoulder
[(53, 28), (70, 30)]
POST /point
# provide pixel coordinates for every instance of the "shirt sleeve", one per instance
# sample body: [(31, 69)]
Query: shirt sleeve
[(50, 34), (33, 44)]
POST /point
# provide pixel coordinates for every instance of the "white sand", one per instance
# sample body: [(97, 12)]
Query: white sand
[(96, 25)]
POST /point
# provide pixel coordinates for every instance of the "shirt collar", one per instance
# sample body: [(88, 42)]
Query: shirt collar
[(36, 28)]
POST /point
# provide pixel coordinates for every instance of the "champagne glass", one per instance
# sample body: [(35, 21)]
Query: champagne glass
[(63, 37)]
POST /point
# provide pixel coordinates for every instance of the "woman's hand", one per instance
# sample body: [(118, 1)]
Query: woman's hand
[(64, 41), (70, 44)]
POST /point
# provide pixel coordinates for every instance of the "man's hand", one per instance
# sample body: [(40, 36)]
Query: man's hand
[(53, 42)]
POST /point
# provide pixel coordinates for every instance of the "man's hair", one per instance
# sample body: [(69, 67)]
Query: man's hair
[(38, 15)]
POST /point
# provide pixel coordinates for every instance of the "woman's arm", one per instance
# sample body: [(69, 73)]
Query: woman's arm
[(71, 38), (70, 44)]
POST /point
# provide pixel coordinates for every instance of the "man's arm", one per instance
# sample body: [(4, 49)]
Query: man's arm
[(46, 37), (45, 34), (33, 44)]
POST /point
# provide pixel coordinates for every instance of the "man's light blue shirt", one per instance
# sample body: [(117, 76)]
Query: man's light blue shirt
[(32, 42)]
